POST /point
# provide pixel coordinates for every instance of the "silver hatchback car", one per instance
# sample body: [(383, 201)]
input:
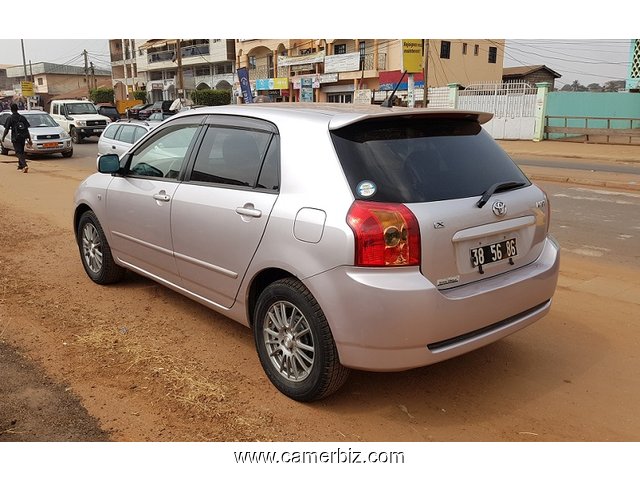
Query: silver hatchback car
[(346, 237)]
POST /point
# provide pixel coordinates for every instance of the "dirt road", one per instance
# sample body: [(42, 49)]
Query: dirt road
[(150, 365)]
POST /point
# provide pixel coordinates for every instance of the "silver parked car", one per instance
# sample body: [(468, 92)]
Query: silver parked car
[(119, 136), (46, 135), (346, 237)]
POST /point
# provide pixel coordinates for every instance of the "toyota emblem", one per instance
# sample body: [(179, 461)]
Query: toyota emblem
[(499, 208)]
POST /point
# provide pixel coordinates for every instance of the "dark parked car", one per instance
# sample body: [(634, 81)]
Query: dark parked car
[(135, 110), (161, 106), (108, 110)]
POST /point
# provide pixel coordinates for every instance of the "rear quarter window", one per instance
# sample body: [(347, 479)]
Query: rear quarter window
[(412, 160)]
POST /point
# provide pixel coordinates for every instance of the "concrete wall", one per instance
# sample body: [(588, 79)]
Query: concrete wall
[(594, 104)]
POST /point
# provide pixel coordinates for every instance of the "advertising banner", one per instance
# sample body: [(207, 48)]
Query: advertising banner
[(412, 55), (306, 90), (27, 89), (243, 78), (272, 83), (317, 57), (388, 80), (347, 62)]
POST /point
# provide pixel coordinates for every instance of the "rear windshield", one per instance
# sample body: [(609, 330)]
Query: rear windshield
[(409, 159)]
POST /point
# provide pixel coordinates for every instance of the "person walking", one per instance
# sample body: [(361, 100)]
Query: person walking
[(19, 135)]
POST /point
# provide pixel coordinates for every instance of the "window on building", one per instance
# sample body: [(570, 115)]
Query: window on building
[(222, 68), (493, 54), (445, 49), (40, 81), (362, 49), (202, 71), (476, 49), (464, 48), (340, 49), (252, 63)]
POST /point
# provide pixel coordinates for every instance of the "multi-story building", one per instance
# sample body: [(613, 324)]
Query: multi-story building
[(338, 68), (167, 72), (51, 79), (124, 68)]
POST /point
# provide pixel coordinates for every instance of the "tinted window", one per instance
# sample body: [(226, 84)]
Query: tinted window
[(422, 160), (230, 156), (164, 155), (269, 175), (111, 131)]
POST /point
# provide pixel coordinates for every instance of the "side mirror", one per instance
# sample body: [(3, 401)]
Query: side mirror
[(109, 163)]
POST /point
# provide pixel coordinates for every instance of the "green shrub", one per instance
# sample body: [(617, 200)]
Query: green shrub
[(102, 95), (211, 97), (140, 95)]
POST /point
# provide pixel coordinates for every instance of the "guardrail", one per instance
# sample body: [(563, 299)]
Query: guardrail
[(614, 130)]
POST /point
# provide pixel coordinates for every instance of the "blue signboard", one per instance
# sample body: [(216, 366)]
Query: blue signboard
[(243, 77)]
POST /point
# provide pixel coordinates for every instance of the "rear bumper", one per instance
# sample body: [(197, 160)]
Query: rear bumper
[(389, 320)]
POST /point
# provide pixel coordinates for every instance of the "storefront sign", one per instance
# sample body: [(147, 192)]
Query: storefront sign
[(362, 97), (306, 89), (272, 83), (388, 80), (347, 62), (157, 86), (315, 81), (412, 55), (328, 78)]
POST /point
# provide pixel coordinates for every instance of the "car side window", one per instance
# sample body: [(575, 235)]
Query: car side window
[(230, 156), (126, 134), (164, 155), (269, 174), (111, 131), (55, 109), (138, 133)]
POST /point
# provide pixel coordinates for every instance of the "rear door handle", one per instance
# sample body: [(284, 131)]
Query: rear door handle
[(162, 197), (249, 211)]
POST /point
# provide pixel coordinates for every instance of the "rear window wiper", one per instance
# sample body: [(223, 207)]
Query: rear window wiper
[(500, 186)]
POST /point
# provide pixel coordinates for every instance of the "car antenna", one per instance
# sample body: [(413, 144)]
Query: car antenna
[(388, 103)]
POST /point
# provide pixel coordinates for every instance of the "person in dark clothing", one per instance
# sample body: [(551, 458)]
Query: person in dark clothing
[(19, 135)]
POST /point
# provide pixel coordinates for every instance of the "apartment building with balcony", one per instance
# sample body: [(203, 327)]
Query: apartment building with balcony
[(168, 69), (339, 68), (124, 68)]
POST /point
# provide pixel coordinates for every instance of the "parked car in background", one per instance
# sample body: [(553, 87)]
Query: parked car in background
[(161, 106), (158, 117), (133, 112), (345, 236), (108, 110), (119, 136), (46, 135)]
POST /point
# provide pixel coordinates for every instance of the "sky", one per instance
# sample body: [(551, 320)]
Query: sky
[(559, 35)]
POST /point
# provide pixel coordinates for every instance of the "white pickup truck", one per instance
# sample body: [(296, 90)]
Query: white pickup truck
[(79, 118)]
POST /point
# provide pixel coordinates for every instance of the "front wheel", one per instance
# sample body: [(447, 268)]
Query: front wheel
[(95, 251), (67, 154), (295, 344), (76, 136)]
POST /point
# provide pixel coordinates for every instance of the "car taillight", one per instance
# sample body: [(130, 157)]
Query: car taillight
[(386, 234)]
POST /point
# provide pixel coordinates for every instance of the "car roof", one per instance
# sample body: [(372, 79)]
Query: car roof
[(337, 115), (30, 112)]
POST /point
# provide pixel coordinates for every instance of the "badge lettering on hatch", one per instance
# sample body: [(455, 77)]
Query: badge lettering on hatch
[(448, 281)]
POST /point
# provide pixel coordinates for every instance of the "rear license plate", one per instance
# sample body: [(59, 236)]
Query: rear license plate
[(50, 145), (493, 253)]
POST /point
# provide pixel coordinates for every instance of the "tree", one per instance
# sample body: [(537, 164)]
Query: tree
[(614, 85), (102, 95), (594, 87), (140, 95)]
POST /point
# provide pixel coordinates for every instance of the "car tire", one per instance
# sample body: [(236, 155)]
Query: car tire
[(95, 251), (76, 136), (295, 344), (67, 154)]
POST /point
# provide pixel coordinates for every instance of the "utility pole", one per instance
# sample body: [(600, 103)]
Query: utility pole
[(425, 49), (94, 84), (24, 60), (180, 73), (86, 73)]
